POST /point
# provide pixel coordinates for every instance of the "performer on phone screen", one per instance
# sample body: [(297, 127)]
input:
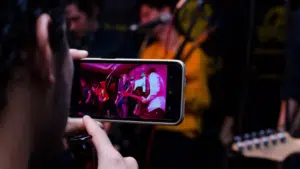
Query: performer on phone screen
[(121, 100), (152, 96), (85, 98)]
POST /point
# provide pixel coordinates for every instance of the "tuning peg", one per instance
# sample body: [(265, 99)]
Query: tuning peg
[(237, 138), (239, 142), (253, 134), (281, 137), (261, 133), (248, 142), (272, 136), (269, 131), (263, 138), (255, 140), (247, 136)]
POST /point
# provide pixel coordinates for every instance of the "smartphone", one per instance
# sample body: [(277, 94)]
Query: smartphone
[(129, 90)]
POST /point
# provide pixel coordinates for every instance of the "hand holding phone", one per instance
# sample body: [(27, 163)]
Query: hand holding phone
[(129, 90), (108, 156)]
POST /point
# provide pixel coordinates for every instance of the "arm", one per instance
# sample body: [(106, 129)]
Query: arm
[(89, 97), (196, 92), (155, 86), (117, 98), (282, 114)]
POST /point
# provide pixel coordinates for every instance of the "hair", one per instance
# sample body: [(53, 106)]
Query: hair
[(150, 70), (160, 4), (17, 32), (86, 6)]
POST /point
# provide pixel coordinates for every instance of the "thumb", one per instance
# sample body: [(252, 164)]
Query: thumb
[(131, 163), (99, 136)]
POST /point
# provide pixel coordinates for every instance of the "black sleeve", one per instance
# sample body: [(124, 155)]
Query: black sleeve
[(291, 84)]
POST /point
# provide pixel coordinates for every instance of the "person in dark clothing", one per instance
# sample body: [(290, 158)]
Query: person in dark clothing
[(86, 33), (85, 100), (291, 86), (290, 113), (122, 101)]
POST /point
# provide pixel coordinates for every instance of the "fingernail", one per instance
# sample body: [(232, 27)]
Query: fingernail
[(83, 52), (86, 116)]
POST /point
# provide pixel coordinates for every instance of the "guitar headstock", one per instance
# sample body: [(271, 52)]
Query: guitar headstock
[(267, 144)]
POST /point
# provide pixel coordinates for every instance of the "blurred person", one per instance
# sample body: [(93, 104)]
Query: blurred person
[(289, 116), (152, 104), (36, 69), (183, 150), (86, 96), (86, 32), (103, 98), (121, 100)]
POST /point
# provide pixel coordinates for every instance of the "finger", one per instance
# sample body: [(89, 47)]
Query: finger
[(131, 163), (78, 54), (99, 136), (76, 125)]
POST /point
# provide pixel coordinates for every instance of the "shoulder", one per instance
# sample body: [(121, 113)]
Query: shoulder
[(153, 75)]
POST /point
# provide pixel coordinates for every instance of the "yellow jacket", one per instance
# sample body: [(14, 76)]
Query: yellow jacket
[(197, 95)]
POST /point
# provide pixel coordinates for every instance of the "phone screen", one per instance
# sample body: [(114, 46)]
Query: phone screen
[(126, 91)]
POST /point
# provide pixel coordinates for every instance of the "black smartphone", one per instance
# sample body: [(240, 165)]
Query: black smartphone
[(129, 90)]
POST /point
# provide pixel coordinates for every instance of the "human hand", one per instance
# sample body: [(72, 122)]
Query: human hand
[(78, 54), (75, 125), (144, 100), (282, 116), (226, 134), (108, 156)]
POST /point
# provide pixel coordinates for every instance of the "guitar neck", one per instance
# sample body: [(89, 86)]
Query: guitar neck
[(276, 146)]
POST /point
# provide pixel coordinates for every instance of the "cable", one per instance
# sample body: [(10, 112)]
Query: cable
[(178, 7), (167, 43)]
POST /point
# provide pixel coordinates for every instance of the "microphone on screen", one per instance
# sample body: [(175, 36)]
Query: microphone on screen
[(162, 19)]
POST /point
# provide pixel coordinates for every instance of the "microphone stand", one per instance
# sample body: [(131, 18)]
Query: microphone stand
[(190, 28)]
